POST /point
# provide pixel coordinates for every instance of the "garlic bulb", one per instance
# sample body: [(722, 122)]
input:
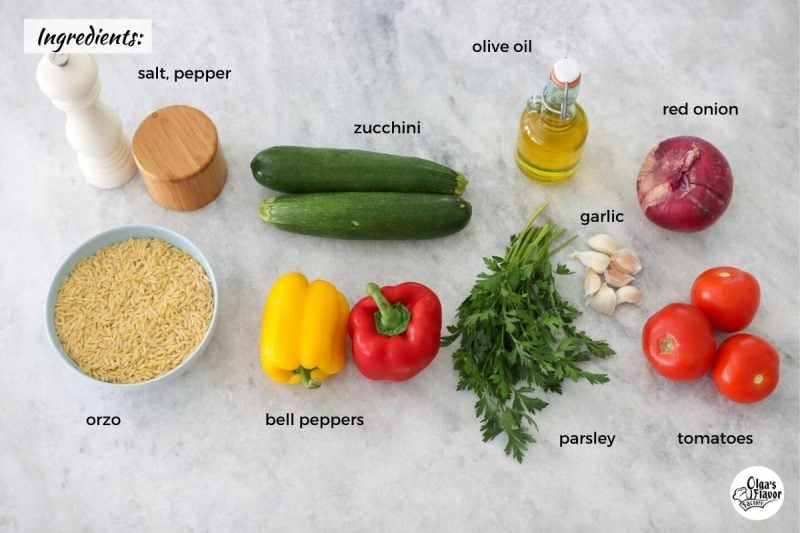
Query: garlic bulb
[(595, 260), (591, 283), (609, 267), (617, 279), (629, 295), (604, 300), (604, 243), (626, 261)]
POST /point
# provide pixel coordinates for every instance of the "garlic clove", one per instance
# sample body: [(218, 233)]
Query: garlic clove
[(626, 261), (629, 295), (594, 260), (617, 279), (591, 283), (604, 243), (604, 300)]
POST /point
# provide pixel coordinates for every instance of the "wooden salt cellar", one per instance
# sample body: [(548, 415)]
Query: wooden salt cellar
[(177, 151)]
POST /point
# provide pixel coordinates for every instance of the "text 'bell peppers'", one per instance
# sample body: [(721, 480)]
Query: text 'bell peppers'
[(395, 331), (304, 331)]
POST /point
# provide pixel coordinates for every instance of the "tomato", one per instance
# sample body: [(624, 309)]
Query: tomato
[(679, 342), (746, 369), (729, 297)]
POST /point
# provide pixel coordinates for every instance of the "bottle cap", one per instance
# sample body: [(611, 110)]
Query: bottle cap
[(566, 72)]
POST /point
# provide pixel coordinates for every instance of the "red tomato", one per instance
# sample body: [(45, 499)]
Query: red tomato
[(679, 342), (728, 296), (747, 368)]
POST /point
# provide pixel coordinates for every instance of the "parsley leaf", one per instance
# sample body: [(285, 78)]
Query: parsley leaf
[(516, 337)]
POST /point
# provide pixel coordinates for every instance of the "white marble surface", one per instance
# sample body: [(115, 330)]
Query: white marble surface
[(195, 455)]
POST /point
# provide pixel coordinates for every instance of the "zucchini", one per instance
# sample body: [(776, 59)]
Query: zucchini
[(299, 169), (368, 215)]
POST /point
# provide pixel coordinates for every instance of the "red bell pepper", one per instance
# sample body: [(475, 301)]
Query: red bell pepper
[(396, 331)]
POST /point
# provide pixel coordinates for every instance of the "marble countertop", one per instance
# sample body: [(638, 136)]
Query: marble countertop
[(195, 455)]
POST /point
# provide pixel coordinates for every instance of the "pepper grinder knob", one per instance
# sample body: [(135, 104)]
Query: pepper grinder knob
[(93, 129)]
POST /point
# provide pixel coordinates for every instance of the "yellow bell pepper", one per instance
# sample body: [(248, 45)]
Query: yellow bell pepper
[(304, 331)]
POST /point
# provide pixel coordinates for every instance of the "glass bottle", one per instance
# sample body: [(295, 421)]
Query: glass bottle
[(553, 127)]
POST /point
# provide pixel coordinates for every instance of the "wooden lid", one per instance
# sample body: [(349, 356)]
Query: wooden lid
[(175, 143)]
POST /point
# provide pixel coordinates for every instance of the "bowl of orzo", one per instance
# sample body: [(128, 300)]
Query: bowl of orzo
[(132, 307)]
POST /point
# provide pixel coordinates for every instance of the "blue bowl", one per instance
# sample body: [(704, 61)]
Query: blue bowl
[(108, 238)]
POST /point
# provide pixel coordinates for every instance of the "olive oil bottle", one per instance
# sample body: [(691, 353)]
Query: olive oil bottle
[(553, 127)]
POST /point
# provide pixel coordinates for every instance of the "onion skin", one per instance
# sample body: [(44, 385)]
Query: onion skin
[(684, 184)]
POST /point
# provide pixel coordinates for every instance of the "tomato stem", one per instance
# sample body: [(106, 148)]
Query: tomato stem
[(667, 344)]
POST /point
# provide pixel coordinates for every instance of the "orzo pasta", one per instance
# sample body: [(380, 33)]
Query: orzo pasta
[(133, 310)]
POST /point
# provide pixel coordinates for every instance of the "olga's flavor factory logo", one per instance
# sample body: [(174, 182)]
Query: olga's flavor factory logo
[(757, 493)]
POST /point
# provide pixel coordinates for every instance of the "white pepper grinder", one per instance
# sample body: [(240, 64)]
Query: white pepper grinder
[(93, 129)]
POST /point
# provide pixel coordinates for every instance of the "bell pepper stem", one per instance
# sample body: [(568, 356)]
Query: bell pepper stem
[(307, 380), (390, 319)]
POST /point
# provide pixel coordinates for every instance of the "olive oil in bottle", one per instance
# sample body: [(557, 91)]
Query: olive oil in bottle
[(553, 127)]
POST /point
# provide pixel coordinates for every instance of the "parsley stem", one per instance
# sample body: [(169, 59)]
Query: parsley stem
[(525, 233)]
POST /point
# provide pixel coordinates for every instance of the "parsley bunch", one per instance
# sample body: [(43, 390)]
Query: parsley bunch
[(516, 336)]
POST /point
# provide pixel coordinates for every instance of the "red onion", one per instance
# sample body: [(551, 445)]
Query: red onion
[(684, 184)]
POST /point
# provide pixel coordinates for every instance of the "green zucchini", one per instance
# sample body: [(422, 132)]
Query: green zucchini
[(299, 169), (368, 215)]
